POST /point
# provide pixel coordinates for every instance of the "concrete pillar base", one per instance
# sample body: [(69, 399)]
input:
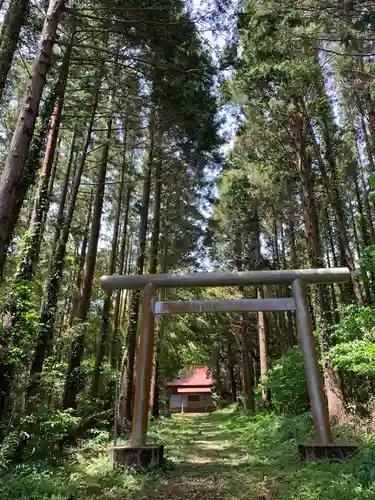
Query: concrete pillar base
[(325, 452), (146, 456)]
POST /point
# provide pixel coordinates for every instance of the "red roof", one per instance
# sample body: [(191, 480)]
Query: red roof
[(198, 377)]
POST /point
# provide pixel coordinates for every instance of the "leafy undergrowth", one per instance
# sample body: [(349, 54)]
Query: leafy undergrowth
[(224, 455)]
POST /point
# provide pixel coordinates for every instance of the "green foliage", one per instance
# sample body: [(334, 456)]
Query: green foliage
[(227, 454), (357, 356), (356, 323), (353, 354), (367, 266), (366, 468), (47, 428), (287, 383), (37, 436), (8, 448)]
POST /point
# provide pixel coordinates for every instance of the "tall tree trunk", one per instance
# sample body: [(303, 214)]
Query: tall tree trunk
[(369, 213), (244, 343), (115, 350), (365, 234), (32, 165), (366, 138), (31, 251), (217, 372), (343, 294), (331, 185), (131, 339), (333, 291), (291, 336), (153, 264), (154, 247), (310, 215), (324, 316), (51, 185), (15, 17), (81, 259), (161, 328), (14, 302), (48, 308), (247, 366), (263, 357), (354, 226), (232, 376), (73, 377), (11, 188), (281, 314), (104, 328), (293, 252)]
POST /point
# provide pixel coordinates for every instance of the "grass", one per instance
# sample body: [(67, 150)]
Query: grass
[(226, 455)]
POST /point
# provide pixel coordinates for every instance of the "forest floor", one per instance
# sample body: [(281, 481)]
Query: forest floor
[(226, 455)]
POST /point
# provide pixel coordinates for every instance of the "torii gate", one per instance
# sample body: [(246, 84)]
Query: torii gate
[(138, 452)]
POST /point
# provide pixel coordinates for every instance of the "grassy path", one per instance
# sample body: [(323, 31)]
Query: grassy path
[(224, 455), (231, 456)]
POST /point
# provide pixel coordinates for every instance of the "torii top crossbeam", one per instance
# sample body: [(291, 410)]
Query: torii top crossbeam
[(216, 279)]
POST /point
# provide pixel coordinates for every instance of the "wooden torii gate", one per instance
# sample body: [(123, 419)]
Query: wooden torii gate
[(138, 452)]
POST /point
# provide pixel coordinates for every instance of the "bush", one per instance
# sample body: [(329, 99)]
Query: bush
[(357, 323), (41, 434), (287, 383), (353, 355)]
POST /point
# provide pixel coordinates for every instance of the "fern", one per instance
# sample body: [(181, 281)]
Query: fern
[(8, 448)]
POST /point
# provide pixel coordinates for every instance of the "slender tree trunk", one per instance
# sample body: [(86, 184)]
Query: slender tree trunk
[(324, 316), (131, 340), (48, 309), (232, 376), (51, 185), (11, 188), (15, 17), (116, 345), (369, 214), (81, 259), (303, 162), (263, 357), (20, 289), (31, 251), (32, 165), (245, 343), (104, 329), (160, 325), (247, 367), (333, 291), (354, 226), (368, 145), (331, 185), (292, 338), (73, 379), (281, 315), (217, 372), (365, 235), (343, 294), (153, 264), (293, 252), (154, 248), (366, 94)]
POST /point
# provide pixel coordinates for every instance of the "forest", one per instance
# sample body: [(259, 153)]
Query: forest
[(179, 136)]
